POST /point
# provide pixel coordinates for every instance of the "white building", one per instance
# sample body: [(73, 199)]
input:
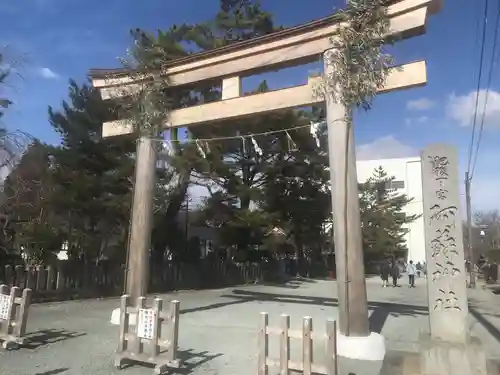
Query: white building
[(407, 180)]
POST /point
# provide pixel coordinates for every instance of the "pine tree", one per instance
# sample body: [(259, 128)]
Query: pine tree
[(296, 191), (383, 219), (4, 74), (232, 170), (236, 180), (28, 198), (92, 176)]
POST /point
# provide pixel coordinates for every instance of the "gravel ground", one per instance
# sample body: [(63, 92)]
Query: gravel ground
[(218, 327)]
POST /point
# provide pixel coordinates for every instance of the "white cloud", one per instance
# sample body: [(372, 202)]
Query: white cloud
[(422, 104), (416, 120), (47, 73), (386, 147), (461, 108)]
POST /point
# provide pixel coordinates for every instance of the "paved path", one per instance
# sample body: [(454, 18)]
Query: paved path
[(218, 327)]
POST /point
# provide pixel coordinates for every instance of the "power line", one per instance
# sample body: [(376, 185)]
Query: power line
[(481, 58), (488, 86)]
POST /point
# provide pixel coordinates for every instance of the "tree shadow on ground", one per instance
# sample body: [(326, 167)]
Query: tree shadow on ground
[(380, 310), (212, 306), (378, 317), (46, 337), (490, 327), (291, 283), (190, 361), (53, 372)]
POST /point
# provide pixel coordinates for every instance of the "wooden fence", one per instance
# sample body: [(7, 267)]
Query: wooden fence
[(148, 333), (14, 309), (73, 281), (306, 364)]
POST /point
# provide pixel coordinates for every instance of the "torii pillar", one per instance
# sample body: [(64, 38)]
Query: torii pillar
[(355, 339)]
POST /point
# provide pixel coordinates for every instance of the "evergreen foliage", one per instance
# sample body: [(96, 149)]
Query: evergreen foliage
[(383, 219)]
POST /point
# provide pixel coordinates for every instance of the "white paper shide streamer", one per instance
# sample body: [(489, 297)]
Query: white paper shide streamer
[(291, 144), (314, 132), (168, 148), (200, 150), (258, 150), (204, 148)]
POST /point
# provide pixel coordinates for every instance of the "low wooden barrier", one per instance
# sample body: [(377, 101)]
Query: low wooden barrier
[(13, 315), (307, 366), (148, 334)]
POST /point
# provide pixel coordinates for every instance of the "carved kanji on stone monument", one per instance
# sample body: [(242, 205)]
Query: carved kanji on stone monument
[(444, 244)]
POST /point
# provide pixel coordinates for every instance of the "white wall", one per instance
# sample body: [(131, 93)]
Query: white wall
[(407, 170)]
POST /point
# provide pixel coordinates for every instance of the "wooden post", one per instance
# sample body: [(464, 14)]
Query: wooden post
[(263, 344), (41, 281), (138, 345), (9, 275), (122, 344), (284, 344), (307, 347), (20, 278), (20, 329), (50, 277), (351, 284), (331, 347), (174, 329), (59, 280), (30, 278), (153, 343), (141, 219)]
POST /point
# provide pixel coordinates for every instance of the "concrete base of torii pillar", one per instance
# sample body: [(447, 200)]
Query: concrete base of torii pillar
[(370, 348), (115, 318), (361, 355)]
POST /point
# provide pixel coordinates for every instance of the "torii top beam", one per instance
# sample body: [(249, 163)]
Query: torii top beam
[(295, 46)]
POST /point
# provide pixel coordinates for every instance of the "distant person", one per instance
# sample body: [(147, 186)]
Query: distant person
[(395, 272), (419, 269), (494, 272), (385, 270), (411, 270), (485, 269)]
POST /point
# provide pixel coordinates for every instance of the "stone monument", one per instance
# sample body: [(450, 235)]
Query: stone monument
[(449, 349)]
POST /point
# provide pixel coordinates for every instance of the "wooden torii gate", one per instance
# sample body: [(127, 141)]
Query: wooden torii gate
[(291, 47)]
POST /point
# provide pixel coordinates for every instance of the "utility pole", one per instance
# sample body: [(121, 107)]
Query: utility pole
[(142, 219), (470, 251)]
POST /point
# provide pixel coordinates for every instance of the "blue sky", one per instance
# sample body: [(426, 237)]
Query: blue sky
[(61, 39)]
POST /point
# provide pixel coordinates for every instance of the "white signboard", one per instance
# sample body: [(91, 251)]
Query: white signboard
[(146, 323), (4, 306)]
